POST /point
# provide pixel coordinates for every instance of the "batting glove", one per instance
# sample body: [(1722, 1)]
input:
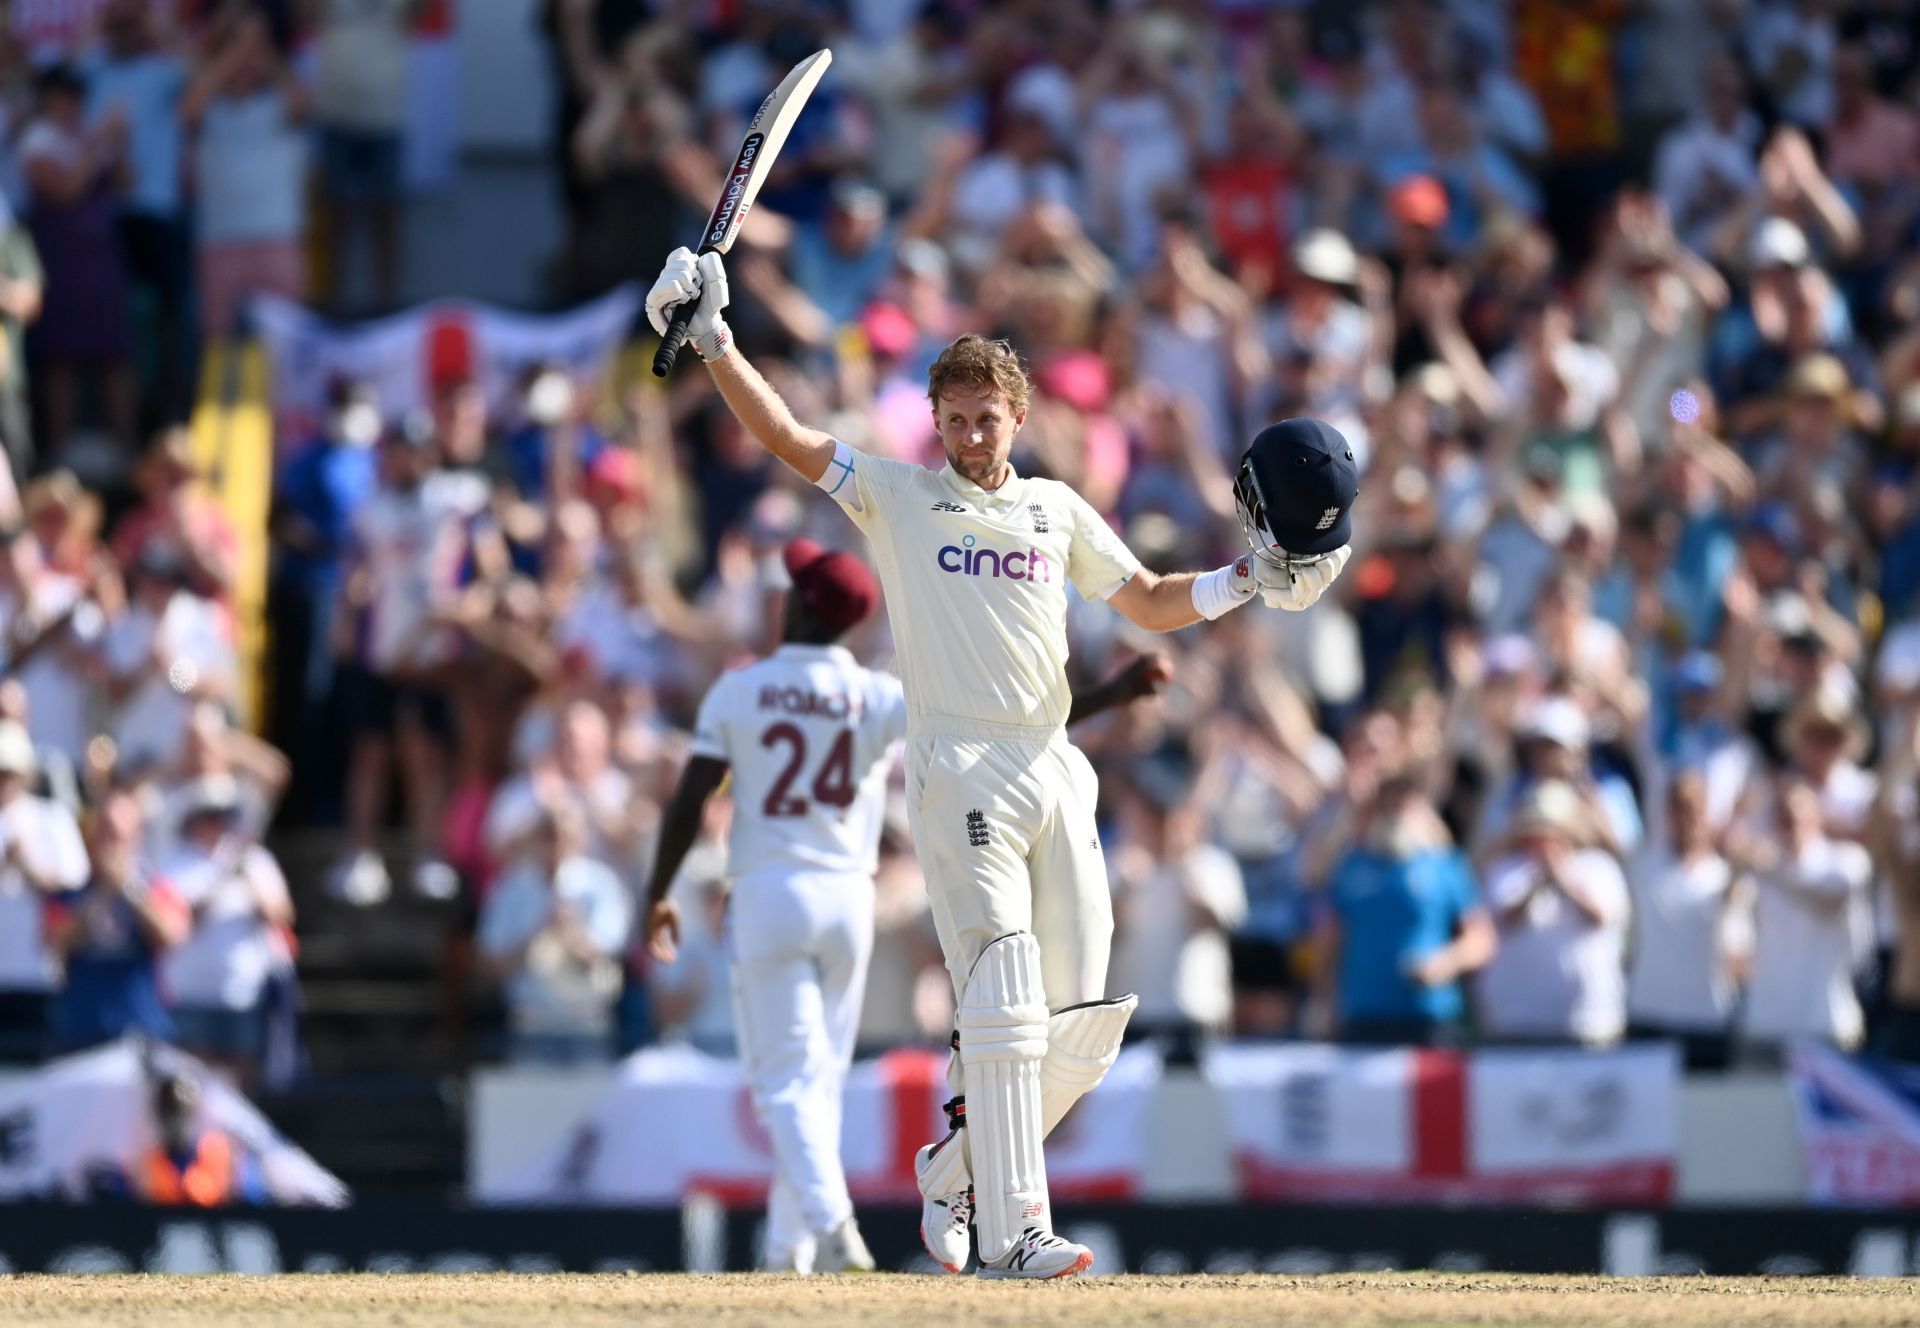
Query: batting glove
[(1299, 583), (687, 277)]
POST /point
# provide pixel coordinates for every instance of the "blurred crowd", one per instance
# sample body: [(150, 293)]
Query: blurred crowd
[(1610, 730), (167, 160)]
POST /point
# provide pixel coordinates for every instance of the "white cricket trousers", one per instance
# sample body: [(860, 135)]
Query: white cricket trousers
[(800, 946), (1003, 821)]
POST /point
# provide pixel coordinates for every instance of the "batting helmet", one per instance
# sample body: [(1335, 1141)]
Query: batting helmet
[(1295, 490)]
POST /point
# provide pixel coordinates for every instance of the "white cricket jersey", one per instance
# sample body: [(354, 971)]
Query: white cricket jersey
[(976, 584), (809, 733)]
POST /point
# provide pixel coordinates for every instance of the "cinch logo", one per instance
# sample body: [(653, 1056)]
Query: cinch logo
[(965, 559)]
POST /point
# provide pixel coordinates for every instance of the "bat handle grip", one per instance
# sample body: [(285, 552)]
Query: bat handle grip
[(675, 338)]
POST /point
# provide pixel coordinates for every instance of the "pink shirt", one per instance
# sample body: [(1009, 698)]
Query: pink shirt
[(1881, 147)]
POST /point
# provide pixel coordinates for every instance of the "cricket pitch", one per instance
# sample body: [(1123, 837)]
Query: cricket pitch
[(726, 1301)]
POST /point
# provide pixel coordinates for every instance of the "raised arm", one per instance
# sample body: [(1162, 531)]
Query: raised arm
[(748, 395)]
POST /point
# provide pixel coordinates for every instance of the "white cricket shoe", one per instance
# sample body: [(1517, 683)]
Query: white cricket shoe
[(1040, 1254), (842, 1250), (946, 1221), (781, 1261)]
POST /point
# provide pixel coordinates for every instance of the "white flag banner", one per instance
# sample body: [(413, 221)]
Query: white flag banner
[(1502, 1125), (83, 1113), (677, 1121), (402, 357)]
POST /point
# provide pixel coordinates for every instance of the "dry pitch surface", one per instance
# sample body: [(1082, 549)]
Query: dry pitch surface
[(399, 1301)]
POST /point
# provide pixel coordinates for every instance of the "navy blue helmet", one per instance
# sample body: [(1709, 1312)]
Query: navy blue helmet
[(1295, 490)]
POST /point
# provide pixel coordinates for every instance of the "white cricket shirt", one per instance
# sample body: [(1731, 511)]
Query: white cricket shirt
[(809, 733), (1677, 975), (976, 583), (1556, 974), (1803, 951)]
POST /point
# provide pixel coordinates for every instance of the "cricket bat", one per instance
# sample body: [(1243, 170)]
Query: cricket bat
[(765, 137)]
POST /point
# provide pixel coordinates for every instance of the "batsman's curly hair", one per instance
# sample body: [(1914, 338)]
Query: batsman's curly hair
[(975, 362)]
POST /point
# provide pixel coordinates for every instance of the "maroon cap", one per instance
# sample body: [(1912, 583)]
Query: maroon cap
[(836, 587)]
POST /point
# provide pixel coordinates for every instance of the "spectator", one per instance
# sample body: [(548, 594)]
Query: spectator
[(191, 1162), (1691, 930), (75, 176), (1401, 926), (65, 521), (317, 500), (242, 916), (56, 778), (1334, 318), (113, 934), (1195, 336), (555, 441), (1552, 739), (212, 749), (1873, 152), (1791, 43), (578, 772), (41, 858), (170, 649), (135, 81), (1561, 908), (179, 519), (23, 289), (410, 541), (1176, 900), (1023, 169), (1141, 129), (1703, 742), (360, 105), (1810, 889), (840, 264), (244, 112), (552, 932), (1478, 176), (1704, 167), (1651, 300), (50, 631), (630, 152)]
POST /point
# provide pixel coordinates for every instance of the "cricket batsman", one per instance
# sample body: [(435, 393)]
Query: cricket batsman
[(974, 562), (808, 736)]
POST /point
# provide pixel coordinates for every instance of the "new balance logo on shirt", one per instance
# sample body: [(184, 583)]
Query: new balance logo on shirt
[(945, 506)]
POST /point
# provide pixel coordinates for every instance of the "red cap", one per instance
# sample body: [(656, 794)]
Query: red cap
[(1420, 200), (836, 587)]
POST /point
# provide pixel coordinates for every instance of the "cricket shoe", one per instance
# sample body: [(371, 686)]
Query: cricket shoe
[(1040, 1254), (946, 1201), (946, 1229), (781, 1261), (842, 1250)]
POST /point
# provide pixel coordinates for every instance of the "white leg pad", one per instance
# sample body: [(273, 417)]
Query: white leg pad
[(1082, 1044), (1003, 1038)]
